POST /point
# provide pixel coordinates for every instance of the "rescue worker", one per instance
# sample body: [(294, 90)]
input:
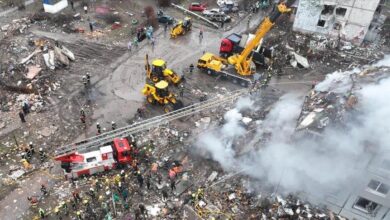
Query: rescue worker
[(72, 4), (78, 214), (143, 211), (88, 77), (21, 116), (173, 184), (42, 155), (31, 146), (82, 112), (41, 213), (28, 153), (148, 181), (164, 195), (191, 68), (140, 179), (99, 128), (91, 193), (76, 196), (57, 212), (84, 80), (85, 9), (26, 164), (43, 189), (64, 206), (33, 200), (113, 125), (91, 26)]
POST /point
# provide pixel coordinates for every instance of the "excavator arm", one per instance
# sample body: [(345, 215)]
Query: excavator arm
[(242, 62)]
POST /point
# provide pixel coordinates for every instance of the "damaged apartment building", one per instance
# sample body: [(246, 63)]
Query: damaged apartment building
[(350, 20)]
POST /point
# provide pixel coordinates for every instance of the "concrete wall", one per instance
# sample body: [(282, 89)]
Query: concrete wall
[(344, 202), (352, 26)]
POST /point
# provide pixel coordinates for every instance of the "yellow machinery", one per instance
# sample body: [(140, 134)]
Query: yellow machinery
[(181, 27), (242, 62), (159, 94), (159, 71)]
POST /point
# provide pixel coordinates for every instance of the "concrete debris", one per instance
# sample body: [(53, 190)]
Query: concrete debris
[(33, 71), (68, 53), (299, 61), (60, 56)]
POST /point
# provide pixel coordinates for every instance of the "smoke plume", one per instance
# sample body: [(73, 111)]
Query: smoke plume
[(314, 166)]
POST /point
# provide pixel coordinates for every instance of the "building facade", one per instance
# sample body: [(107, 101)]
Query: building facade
[(349, 20), (368, 198)]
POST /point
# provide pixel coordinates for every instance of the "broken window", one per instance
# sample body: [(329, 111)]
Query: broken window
[(365, 205), (328, 9), (341, 11), (337, 26), (321, 23), (378, 187)]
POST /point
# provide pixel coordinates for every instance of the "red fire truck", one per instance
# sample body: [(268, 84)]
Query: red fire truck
[(235, 44), (107, 157)]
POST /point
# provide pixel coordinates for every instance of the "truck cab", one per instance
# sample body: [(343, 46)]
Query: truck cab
[(122, 150)]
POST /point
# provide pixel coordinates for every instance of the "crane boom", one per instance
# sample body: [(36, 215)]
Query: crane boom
[(241, 61)]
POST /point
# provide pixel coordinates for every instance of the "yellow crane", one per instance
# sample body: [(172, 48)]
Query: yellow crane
[(242, 63), (159, 71)]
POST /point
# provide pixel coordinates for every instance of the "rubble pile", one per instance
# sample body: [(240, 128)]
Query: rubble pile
[(330, 101)]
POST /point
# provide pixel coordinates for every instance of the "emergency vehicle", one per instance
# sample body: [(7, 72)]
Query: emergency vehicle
[(107, 157)]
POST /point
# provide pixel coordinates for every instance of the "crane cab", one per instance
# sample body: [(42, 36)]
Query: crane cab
[(122, 151)]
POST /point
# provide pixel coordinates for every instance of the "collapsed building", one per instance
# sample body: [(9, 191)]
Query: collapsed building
[(351, 20), (330, 104)]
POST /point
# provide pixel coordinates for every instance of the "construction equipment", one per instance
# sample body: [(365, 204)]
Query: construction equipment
[(97, 159), (101, 140), (181, 27), (159, 94), (158, 71), (239, 66), (236, 43)]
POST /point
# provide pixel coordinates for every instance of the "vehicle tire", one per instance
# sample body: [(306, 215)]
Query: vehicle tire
[(134, 21), (155, 79), (150, 99), (178, 105), (234, 81), (210, 72), (167, 108)]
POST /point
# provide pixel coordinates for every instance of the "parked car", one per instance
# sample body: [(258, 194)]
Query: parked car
[(220, 17), (212, 11), (196, 6), (165, 19), (230, 7)]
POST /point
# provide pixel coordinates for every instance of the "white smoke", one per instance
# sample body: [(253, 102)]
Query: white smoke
[(313, 166)]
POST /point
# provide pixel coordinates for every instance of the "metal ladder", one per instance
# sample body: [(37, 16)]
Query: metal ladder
[(102, 139)]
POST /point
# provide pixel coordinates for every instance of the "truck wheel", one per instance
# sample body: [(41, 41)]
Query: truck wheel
[(150, 99), (167, 108), (234, 81), (155, 79)]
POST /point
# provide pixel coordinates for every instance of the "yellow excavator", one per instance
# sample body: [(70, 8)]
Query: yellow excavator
[(158, 71), (159, 94), (181, 27), (241, 64)]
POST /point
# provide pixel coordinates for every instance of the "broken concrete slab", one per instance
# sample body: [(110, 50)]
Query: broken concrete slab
[(299, 61), (24, 60), (68, 53), (33, 71), (49, 59), (60, 56)]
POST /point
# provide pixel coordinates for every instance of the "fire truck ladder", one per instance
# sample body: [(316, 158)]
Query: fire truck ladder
[(102, 139)]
